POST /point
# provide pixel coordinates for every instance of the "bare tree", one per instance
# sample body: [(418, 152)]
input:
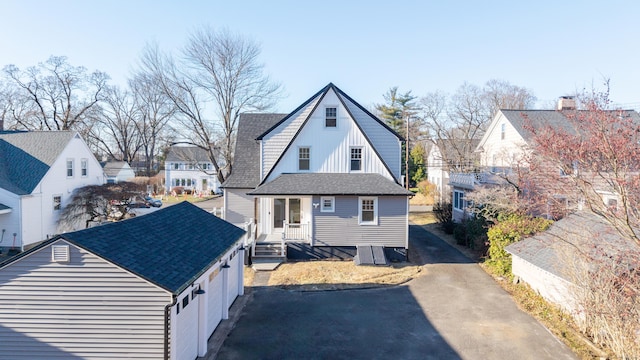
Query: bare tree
[(116, 133), (58, 96), (218, 73), (501, 94), (155, 110)]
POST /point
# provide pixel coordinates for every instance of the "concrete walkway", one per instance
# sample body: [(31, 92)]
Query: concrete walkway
[(453, 311)]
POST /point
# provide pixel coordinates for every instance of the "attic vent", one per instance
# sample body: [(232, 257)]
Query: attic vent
[(60, 253)]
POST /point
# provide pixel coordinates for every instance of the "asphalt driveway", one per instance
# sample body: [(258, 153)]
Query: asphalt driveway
[(453, 311)]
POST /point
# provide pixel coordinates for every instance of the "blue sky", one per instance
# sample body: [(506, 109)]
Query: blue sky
[(364, 47)]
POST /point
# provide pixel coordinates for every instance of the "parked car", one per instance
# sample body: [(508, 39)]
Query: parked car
[(138, 205), (153, 202)]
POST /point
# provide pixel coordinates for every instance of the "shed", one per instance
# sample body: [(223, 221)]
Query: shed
[(152, 287)]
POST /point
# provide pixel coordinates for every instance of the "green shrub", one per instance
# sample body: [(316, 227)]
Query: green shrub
[(472, 232), (508, 230)]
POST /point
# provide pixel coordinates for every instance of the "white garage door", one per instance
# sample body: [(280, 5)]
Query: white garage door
[(187, 328), (233, 278), (214, 295)]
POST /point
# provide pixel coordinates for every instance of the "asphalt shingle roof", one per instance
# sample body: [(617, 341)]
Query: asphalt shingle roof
[(550, 250), (522, 119), (331, 184), (25, 157), (4, 207), (170, 247), (187, 154), (113, 168), (246, 161)]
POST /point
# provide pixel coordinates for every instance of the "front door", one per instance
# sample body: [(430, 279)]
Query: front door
[(279, 212)]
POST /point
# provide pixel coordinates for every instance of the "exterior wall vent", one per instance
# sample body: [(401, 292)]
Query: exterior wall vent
[(60, 253)]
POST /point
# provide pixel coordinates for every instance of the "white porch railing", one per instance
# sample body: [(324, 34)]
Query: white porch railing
[(295, 232), (468, 180), (217, 211)]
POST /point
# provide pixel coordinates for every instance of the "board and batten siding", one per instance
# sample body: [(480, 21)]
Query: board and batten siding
[(341, 228), (330, 148), (86, 308), (276, 141), (386, 143), (239, 207)]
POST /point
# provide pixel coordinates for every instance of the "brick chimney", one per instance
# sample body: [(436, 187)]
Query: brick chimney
[(566, 103)]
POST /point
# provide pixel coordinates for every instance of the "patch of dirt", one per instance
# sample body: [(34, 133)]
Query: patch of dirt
[(336, 275)]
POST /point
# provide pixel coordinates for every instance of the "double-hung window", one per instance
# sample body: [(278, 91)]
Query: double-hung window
[(84, 167), (356, 159), (368, 211), (69, 168), (458, 200), (57, 202), (331, 117), (304, 156)]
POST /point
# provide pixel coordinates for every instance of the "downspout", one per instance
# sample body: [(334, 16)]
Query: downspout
[(167, 315)]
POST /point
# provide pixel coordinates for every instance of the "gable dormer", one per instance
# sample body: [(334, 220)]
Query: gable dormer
[(330, 133)]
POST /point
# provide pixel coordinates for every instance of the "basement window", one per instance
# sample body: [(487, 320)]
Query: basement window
[(60, 253)]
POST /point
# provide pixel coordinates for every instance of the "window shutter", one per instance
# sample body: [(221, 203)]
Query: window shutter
[(60, 253)]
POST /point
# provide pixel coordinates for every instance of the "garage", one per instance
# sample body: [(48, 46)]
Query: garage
[(187, 334), (215, 296), (233, 276)]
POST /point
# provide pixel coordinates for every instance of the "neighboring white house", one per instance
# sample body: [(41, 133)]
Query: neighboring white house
[(445, 156), (118, 171), (39, 170), (190, 168), (151, 287), (323, 179), (504, 145)]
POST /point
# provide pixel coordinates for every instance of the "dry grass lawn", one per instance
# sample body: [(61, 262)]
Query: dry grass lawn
[(334, 275), (420, 199)]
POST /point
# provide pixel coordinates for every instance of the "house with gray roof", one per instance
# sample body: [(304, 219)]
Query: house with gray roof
[(39, 170), (320, 180), (118, 171), (150, 287), (504, 147), (189, 167), (550, 261)]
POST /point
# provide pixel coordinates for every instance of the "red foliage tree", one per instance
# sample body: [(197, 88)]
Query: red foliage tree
[(593, 160)]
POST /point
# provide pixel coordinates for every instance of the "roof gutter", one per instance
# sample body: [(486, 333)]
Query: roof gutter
[(167, 315)]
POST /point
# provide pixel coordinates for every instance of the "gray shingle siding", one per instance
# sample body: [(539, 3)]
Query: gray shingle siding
[(341, 227)]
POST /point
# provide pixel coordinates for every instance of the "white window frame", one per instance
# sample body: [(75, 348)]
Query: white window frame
[(70, 166), (308, 148), (458, 200), (326, 117), (330, 209), (57, 204), (351, 158), (375, 211), (84, 167)]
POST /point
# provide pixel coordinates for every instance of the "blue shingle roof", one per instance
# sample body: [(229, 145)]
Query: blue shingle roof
[(25, 157), (170, 247)]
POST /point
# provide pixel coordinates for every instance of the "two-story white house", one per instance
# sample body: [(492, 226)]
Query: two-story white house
[(39, 170), (324, 179), (190, 168), (504, 148)]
